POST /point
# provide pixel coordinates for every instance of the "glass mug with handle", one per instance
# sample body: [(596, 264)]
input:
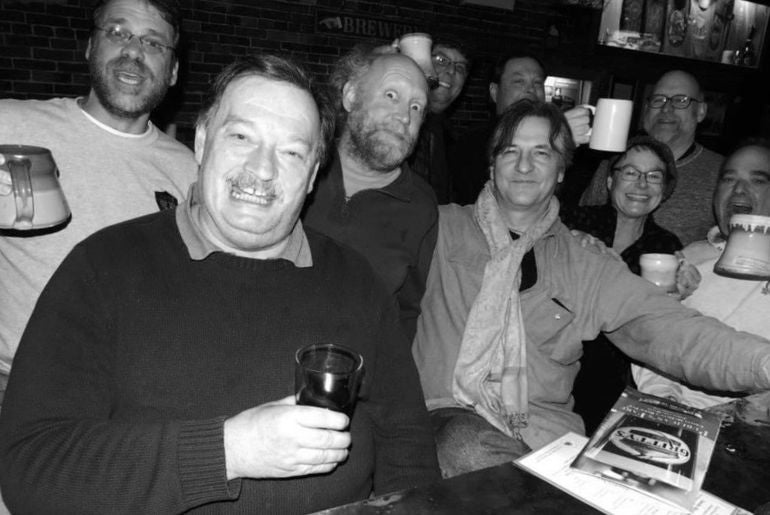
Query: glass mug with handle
[(36, 199)]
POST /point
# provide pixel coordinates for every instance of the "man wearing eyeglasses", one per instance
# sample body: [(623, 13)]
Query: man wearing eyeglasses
[(114, 163), (430, 160), (671, 115)]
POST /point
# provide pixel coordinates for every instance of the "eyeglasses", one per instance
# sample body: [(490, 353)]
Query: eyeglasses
[(150, 44), (630, 174), (677, 101), (443, 63)]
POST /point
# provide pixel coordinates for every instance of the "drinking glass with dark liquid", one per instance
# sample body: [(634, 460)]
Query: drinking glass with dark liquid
[(328, 376)]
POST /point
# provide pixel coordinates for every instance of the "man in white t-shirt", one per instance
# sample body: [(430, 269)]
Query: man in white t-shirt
[(114, 163), (743, 187)]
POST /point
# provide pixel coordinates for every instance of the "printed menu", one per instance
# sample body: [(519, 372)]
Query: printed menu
[(552, 464), (653, 445)]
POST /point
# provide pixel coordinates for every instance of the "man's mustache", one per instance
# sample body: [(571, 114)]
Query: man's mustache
[(252, 184), (130, 65)]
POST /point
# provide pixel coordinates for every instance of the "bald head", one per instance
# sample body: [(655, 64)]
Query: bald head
[(680, 79), (386, 105), (398, 64), (675, 127)]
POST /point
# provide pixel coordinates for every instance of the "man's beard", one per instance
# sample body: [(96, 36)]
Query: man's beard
[(366, 144), (114, 101)]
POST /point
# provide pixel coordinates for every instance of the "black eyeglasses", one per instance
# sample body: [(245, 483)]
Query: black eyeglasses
[(630, 174), (442, 63), (150, 44), (677, 101)]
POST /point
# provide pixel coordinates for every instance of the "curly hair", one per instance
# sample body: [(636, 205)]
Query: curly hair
[(351, 67)]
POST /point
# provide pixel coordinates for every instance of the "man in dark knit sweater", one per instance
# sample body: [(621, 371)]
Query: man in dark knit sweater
[(368, 197), (156, 372)]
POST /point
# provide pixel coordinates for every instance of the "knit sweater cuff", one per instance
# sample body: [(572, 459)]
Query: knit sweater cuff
[(201, 461)]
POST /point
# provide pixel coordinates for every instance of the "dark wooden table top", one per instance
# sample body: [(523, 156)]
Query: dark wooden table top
[(501, 489), (739, 473)]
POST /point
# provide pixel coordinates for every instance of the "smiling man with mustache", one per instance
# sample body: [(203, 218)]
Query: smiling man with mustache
[(157, 369), (368, 197)]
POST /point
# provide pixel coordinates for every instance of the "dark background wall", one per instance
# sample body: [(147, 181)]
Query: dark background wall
[(43, 44)]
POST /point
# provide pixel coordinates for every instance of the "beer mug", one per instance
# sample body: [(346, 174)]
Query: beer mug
[(36, 200), (747, 253)]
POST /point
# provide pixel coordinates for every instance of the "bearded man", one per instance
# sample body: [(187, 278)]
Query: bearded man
[(114, 163), (367, 197)]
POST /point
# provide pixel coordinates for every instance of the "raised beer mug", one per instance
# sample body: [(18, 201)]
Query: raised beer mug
[(747, 253), (36, 200)]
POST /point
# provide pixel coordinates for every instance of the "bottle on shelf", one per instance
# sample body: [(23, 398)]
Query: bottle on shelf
[(557, 98), (747, 54)]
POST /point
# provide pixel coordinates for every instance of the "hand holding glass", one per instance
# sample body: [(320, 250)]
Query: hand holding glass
[(328, 376)]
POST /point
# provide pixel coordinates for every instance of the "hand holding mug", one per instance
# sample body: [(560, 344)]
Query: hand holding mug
[(280, 439), (417, 45), (579, 120), (687, 277)]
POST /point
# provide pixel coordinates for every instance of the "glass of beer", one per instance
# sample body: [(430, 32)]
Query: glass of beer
[(328, 376)]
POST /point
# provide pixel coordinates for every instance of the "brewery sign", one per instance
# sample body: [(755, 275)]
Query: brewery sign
[(348, 24)]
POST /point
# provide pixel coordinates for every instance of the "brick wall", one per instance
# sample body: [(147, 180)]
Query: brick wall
[(44, 41), (43, 44)]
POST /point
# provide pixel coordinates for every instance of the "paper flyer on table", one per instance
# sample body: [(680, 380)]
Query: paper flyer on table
[(552, 464)]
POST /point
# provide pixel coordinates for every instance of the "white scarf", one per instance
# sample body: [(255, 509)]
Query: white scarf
[(491, 370)]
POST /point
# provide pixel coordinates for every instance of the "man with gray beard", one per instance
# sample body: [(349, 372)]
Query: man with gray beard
[(114, 163), (367, 197)]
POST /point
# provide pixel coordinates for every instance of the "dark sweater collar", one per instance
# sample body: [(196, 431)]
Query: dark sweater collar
[(199, 247), (400, 189)]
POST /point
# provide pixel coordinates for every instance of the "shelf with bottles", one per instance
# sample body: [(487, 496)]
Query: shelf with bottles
[(726, 31)]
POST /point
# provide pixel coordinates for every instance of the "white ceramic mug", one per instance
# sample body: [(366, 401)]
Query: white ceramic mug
[(417, 45), (612, 119), (660, 269)]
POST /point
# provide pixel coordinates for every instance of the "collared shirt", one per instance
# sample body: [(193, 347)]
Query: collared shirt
[(199, 246), (394, 227)]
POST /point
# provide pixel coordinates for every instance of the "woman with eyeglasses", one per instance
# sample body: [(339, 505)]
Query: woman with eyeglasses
[(641, 178)]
